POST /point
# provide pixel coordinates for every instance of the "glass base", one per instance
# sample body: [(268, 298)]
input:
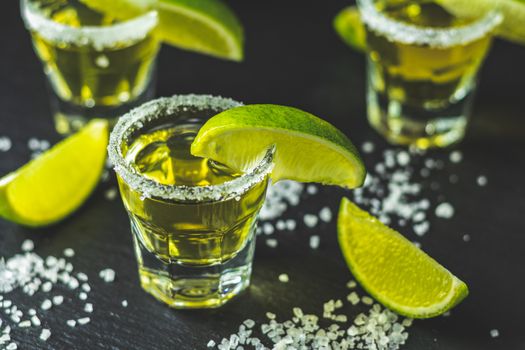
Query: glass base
[(185, 286), (423, 128)]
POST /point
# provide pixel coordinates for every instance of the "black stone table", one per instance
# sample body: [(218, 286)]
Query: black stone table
[(293, 57)]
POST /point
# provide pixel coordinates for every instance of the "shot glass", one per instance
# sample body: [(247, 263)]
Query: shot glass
[(96, 66), (422, 68), (192, 219)]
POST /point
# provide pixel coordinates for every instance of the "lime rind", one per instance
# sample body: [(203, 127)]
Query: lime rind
[(223, 23), (204, 26), (27, 199), (348, 25), (308, 149), (448, 287)]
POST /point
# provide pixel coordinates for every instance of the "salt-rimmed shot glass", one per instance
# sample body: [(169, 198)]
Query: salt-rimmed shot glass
[(192, 219), (96, 66), (422, 68)]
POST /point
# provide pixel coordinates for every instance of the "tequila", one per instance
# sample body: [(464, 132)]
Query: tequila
[(422, 64), (97, 66), (193, 219)]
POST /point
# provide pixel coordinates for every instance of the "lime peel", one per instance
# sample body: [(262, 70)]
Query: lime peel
[(392, 270), (308, 149), (52, 186)]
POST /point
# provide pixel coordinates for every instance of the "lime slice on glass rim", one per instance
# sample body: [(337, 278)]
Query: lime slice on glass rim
[(307, 148), (394, 271), (348, 24), (205, 26), (54, 185)]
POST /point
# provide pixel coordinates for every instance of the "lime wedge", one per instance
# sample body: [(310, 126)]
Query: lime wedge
[(54, 185), (348, 24), (513, 26), (308, 149), (390, 268), (205, 26)]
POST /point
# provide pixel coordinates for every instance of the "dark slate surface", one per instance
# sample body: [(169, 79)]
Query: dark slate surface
[(293, 58)]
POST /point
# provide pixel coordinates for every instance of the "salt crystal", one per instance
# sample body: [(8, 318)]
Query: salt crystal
[(5, 144), (84, 320), (284, 278), (290, 224), (28, 245), (45, 334), (69, 252), (456, 156), (24, 324), (494, 333), (35, 320), (466, 237), (111, 193), (267, 228), (367, 300), (71, 323), (124, 303), (108, 275), (58, 299), (210, 344), (403, 158), (280, 225), (351, 284), (445, 210), (422, 228), (353, 298), (315, 241), (325, 214), (482, 180), (82, 296), (46, 304), (270, 315), (272, 243), (367, 147), (12, 346), (86, 287), (88, 308), (312, 189), (310, 220)]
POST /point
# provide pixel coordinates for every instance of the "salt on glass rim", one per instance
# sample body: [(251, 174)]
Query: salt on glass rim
[(100, 37), (418, 35), (148, 112)]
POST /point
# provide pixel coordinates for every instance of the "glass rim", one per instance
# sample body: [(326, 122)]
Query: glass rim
[(419, 35), (130, 30), (135, 120)]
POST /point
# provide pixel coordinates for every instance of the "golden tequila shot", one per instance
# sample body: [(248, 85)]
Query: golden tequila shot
[(96, 65), (422, 68), (193, 220)]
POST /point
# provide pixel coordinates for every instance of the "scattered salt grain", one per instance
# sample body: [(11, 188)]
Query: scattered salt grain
[(82, 296), (353, 298), (45, 334), (351, 284), (315, 241), (367, 147), (267, 228), (325, 214), (107, 275), (210, 344), (69, 252), (367, 300), (5, 144), (422, 228), (58, 299), (312, 189), (456, 156), (271, 242), (124, 303), (111, 193), (466, 237), (494, 333), (84, 320), (28, 245), (280, 225), (12, 346), (35, 320), (290, 224), (445, 210), (482, 180), (284, 278), (88, 308), (46, 304), (270, 315), (310, 220), (71, 323), (24, 324)]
